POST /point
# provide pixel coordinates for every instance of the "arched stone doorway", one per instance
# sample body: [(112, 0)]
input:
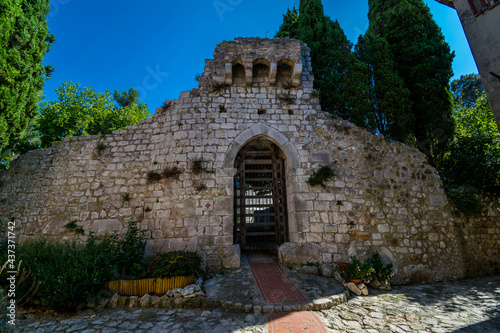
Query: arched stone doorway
[(260, 211)]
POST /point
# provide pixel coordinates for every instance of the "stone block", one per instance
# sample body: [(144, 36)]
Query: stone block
[(293, 254), (231, 256)]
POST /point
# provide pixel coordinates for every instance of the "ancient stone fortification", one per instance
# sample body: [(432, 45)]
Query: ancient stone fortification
[(255, 97)]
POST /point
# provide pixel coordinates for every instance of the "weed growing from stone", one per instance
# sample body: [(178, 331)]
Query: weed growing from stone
[(171, 172), (198, 167), (320, 176), (126, 197), (101, 146), (153, 177), (219, 87), (72, 226)]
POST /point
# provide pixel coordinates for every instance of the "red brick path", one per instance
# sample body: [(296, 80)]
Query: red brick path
[(274, 285), (295, 322)]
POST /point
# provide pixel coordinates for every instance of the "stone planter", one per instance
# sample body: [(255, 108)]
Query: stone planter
[(148, 286)]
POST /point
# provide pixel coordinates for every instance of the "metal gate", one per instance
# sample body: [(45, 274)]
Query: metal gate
[(260, 217)]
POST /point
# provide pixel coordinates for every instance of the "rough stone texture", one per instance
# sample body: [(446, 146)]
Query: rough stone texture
[(292, 254), (385, 195)]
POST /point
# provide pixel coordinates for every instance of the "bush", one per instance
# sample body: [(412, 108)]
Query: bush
[(357, 270), (468, 199), (169, 264), (381, 272), (73, 272), (371, 269), (70, 272)]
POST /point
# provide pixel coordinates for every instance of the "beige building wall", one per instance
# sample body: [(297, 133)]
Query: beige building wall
[(482, 28)]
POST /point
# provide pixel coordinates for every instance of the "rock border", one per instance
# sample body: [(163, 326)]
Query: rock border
[(165, 302)]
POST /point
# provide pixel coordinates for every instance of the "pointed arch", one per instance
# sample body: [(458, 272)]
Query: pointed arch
[(292, 156)]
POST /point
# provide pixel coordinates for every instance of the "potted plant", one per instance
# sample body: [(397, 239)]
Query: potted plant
[(358, 272)]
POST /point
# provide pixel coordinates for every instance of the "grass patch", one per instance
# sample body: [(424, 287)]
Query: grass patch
[(171, 172)]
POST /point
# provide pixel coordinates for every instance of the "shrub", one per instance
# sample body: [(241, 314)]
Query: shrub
[(320, 176), (153, 177), (169, 264), (72, 272), (358, 270), (381, 272), (468, 199)]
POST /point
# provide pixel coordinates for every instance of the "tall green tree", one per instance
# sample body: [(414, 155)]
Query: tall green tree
[(24, 40), (336, 70), (83, 111), (467, 90), (390, 112), (423, 61)]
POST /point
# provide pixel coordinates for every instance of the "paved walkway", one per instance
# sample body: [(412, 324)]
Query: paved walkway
[(463, 306)]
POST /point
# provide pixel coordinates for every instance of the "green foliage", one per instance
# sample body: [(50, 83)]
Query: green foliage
[(129, 249), (166, 265), (28, 139), (320, 176), (390, 112), (153, 177), (357, 270), (381, 272), (24, 40), (290, 26), (467, 198), (72, 272), (370, 269), (467, 90), (72, 226), (471, 163), (422, 61), (83, 111)]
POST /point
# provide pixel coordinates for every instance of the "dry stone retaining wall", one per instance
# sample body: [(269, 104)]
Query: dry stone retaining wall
[(385, 195)]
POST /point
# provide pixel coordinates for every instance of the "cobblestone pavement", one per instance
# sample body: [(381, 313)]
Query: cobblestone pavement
[(463, 306)]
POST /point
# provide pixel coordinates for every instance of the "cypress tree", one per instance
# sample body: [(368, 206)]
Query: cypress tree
[(390, 112), (423, 61), (336, 70), (24, 40)]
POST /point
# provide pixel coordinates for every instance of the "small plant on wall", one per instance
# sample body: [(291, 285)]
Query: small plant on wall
[(321, 176), (171, 172), (72, 226), (153, 177), (198, 167), (218, 87)]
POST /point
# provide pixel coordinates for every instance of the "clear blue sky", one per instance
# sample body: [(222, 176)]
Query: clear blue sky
[(157, 47)]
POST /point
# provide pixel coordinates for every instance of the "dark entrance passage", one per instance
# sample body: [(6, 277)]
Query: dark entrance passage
[(260, 216)]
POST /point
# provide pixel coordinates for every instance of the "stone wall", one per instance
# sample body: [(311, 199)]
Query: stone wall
[(385, 195)]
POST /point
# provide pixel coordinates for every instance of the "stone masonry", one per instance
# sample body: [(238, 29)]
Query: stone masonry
[(385, 195)]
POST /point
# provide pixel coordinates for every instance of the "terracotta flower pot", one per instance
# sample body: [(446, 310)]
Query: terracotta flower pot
[(342, 265), (356, 281)]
